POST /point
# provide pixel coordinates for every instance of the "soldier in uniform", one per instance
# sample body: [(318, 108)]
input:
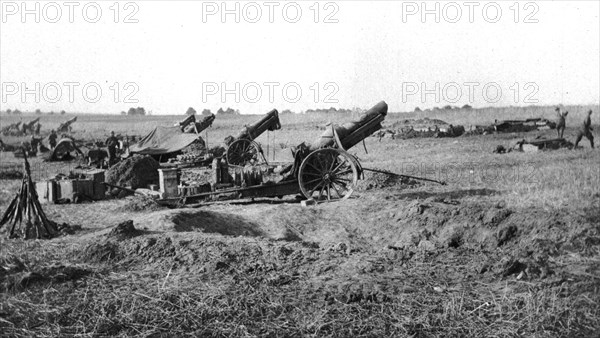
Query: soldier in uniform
[(111, 143), (560, 122), (52, 139), (33, 145), (586, 130)]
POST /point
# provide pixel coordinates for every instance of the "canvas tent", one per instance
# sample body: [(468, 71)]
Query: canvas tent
[(163, 140)]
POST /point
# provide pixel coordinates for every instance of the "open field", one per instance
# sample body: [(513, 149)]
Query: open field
[(510, 247)]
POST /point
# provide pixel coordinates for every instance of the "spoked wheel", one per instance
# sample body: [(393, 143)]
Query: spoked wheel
[(242, 152), (328, 174)]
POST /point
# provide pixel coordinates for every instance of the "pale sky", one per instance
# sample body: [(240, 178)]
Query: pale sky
[(182, 53)]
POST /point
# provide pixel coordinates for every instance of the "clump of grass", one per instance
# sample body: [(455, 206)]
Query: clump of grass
[(11, 174), (138, 203)]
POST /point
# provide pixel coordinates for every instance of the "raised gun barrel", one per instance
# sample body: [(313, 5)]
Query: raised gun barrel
[(188, 120), (206, 122), (63, 127), (269, 122), (32, 122), (351, 133), (189, 125)]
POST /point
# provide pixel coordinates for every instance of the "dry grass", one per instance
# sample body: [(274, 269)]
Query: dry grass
[(139, 203), (235, 303)]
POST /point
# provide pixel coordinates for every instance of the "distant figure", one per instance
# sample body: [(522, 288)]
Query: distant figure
[(111, 143), (33, 145), (560, 122), (586, 130), (38, 126), (52, 139)]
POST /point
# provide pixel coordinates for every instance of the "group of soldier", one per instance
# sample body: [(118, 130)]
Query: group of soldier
[(584, 130)]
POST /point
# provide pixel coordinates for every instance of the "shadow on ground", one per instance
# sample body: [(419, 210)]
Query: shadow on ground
[(215, 222), (456, 194)]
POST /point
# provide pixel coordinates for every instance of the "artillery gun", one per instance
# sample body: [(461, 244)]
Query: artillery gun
[(28, 127), (12, 129), (65, 127), (191, 125), (323, 171), (242, 149)]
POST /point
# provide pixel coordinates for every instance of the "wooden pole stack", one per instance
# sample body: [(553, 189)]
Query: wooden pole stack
[(25, 215)]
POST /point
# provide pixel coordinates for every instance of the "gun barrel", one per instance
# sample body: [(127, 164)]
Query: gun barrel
[(187, 120), (354, 132), (206, 122), (268, 122)]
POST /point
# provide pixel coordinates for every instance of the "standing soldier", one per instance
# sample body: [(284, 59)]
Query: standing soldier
[(52, 139), (586, 130), (33, 145), (560, 122), (38, 126), (111, 144)]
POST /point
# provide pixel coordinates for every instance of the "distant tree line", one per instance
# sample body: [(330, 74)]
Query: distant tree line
[(37, 112), (139, 111), (331, 110), (447, 107)]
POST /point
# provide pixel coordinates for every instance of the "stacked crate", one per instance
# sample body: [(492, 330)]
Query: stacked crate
[(92, 187)]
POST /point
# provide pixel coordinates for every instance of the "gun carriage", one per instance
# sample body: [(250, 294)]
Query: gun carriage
[(242, 149), (323, 171), (12, 129)]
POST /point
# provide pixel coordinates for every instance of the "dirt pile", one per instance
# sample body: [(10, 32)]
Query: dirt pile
[(124, 230), (197, 147), (137, 171)]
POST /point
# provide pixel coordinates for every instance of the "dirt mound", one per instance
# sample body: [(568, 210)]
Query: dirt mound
[(196, 253), (137, 171), (197, 147), (124, 230)]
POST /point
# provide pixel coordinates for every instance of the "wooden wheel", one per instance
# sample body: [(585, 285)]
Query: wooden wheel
[(328, 174), (242, 152)]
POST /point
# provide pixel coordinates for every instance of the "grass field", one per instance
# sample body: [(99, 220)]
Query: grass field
[(510, 247)]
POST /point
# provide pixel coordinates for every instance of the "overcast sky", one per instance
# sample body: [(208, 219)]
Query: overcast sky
[(170, 55)]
